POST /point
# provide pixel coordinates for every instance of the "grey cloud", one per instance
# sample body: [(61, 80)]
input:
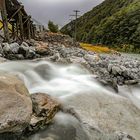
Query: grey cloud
[(44, 11)]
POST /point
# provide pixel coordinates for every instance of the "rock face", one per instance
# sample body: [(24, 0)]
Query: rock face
[(44, 109), (15, 104)]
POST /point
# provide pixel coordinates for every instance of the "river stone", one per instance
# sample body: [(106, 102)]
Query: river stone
[(15, 103), (41, 48), (6, 48), (44, 109), (110, 113), (14, 47)]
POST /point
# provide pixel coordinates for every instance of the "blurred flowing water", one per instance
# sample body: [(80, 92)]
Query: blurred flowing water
[(63, 82), (58, 80)]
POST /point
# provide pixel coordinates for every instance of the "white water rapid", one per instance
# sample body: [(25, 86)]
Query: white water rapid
[(71, 84), (59, 81)]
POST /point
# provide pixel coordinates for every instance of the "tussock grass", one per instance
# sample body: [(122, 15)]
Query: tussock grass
[(96, 48)]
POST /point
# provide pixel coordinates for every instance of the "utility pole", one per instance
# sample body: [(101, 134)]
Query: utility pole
[(76, 16)]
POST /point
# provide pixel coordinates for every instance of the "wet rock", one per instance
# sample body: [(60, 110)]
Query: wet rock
[(123, 136), (31, 54), (6, 48), (44, 109), (131, 82), (116, 70), (108, 112), (14, 47), (109, 84), (24, 50), (15, 103), (64, 127)]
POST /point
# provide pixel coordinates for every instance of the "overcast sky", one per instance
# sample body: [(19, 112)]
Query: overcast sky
[(57, 10)]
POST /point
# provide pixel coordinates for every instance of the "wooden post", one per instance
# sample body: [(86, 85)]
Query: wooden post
[(13, 30), (31, 30), (5, 21), (21, 24), (28, 28), (17, 29)]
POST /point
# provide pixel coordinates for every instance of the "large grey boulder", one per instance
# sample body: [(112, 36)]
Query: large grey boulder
[(15, 104), (108, 113)]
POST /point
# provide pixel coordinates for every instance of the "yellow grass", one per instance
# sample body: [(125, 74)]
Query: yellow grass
[(0, 24), (96, 48)]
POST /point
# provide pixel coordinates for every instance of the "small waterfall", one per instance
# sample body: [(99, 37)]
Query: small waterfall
[(61, 80), (57, 80)]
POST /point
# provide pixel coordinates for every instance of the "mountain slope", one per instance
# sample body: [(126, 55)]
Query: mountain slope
[(113, 22)]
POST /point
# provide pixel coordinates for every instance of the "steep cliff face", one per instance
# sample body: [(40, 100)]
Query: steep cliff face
[(111, 22)]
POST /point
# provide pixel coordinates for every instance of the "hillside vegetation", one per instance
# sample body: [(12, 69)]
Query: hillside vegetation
[(113, 23)]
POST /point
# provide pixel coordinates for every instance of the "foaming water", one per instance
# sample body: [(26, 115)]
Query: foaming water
[(57, 80), (67, 83), (61, 81)]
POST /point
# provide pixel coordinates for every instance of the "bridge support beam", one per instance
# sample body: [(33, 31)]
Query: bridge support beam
[(5, 20)]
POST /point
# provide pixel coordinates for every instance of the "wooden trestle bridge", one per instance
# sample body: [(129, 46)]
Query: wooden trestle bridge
[(13, 13)]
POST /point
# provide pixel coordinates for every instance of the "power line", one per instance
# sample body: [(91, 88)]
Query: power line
[(76, 15)]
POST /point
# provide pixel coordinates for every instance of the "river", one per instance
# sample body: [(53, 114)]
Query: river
[(75, 87)]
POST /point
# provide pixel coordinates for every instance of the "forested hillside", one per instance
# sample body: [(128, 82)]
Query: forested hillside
[(114, 23)]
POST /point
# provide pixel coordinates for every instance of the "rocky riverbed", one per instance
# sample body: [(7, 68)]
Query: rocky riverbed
[(111, 68), (81, 85)]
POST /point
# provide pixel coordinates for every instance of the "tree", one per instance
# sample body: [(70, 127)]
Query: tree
[(53, 27)]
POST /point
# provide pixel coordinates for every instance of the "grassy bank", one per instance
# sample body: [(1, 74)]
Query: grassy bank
[(96, 48)]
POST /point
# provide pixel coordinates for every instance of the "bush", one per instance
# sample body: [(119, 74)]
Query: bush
[(53, 27)]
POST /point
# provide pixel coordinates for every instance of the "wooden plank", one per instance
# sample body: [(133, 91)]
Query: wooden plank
[(29, 29), (20, 18), (15, 13), (28, 18)]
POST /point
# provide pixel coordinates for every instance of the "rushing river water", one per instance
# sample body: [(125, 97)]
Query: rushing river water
[(64, 82)]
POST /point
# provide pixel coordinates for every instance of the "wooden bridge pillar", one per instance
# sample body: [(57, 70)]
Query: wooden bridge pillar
[(4, 20), (20, 19)]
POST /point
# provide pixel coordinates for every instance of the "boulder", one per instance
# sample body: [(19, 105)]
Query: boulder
[(44, 109), (77, 60), (15, 103), (41, 48), (107, 112), (14, 47), (23, 50), (6, 48)]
